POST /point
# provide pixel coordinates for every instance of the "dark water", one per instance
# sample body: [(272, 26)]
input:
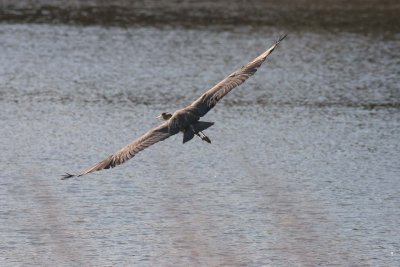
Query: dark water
[(303, 169), (366, 16)]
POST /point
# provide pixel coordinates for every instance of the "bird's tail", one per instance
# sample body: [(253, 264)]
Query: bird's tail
[(188, 135), (202, 125)]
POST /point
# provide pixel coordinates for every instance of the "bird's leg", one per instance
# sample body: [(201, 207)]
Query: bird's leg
[(203, 137), (200, 134)]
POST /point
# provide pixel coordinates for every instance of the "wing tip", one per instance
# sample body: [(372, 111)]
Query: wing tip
[(67, 176), (283, 36), (269, 51)]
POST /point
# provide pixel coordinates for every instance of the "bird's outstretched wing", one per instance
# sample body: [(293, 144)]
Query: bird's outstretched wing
[(153, 136), (209, 99)]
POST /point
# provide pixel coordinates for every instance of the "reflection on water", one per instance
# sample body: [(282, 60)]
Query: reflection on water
[(303, 169)]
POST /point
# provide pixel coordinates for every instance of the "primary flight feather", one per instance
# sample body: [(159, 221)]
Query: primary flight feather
[(184, 120)]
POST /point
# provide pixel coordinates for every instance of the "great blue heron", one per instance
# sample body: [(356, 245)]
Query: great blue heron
[(184, 120)]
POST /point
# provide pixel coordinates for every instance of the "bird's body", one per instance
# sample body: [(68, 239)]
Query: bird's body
[(185, 120)]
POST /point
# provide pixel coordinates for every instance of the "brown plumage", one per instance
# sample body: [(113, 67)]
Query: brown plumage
[(186, 119)]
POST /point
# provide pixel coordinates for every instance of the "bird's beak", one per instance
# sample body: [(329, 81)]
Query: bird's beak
[(159, 117)]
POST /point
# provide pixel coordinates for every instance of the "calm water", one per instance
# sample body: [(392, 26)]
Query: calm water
[(303, 169)]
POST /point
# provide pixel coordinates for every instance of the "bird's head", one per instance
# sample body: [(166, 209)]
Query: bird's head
[(164, 116)]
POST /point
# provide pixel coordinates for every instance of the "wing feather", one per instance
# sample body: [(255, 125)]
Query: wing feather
[(210, 98), (153, 136)]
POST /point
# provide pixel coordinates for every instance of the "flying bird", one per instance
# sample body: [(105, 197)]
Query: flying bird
[(185, 120)]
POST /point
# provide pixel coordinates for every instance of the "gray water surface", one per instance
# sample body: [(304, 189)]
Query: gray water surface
[(303, 169)]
